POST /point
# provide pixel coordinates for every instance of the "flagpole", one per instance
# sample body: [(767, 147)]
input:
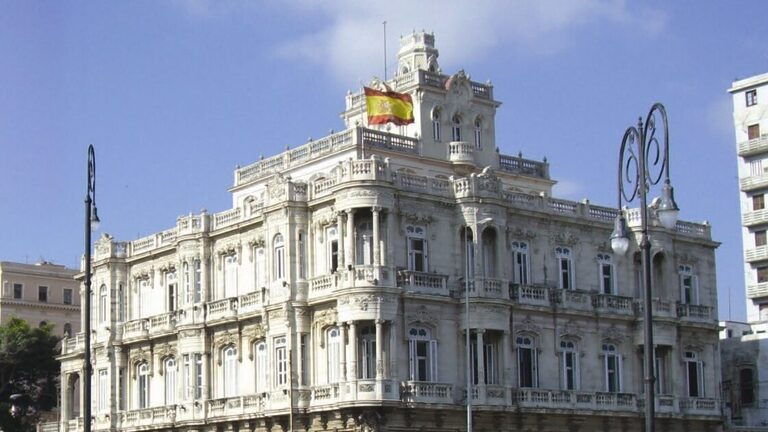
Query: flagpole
[(385, 51)]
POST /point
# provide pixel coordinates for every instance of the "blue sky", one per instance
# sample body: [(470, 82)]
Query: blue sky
[(175, 94)]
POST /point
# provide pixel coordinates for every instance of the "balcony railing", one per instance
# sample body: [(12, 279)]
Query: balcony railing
[(659, 308), (757, 290), (754, 146), (562, 399), (534, 295), (426, 392), (705, 406), (423, 283), (222, 309), (754, 182), (759, 253), (607, 303), (692, 312), (73, 344), (461, 152), (756, 217)]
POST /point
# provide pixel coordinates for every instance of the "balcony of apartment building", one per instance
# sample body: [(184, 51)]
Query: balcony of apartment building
[(756, 217), (754, 146), (756, 254), (540, 296), (754, 182), (757, 290)]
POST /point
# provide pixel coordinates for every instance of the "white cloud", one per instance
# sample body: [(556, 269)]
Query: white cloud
[(350, 45), (568, 189)]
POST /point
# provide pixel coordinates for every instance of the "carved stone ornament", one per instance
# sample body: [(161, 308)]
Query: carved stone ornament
[(221, 340), (528, 326), (139, 356), (164, 351), (168, 267), (458, 86), (613, 334), (564, 239), (422, 315), (325, 217), (230, 248), (519, 233), (416, 217), (257, 241), (684, 258), (571, 330)]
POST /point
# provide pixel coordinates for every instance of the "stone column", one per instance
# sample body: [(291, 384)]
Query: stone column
[(352, 362), (392, 372), (379, 355), (204, 286), (343, 351), (342, 239), (480, 357), (65, 391), (349, 255), (506, 367), (376, 238), (389, 250)]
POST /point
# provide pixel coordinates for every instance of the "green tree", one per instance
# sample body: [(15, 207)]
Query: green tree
[(28, 366)]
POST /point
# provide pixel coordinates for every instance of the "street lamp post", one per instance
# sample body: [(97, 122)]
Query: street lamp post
[(91, 224), (643, 160)]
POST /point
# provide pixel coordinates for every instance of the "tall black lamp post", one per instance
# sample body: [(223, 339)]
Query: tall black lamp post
[(91, 224), (643, 161)]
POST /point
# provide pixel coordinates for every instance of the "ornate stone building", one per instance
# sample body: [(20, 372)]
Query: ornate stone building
[(331, 295)]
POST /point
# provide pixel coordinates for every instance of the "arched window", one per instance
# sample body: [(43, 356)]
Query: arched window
[(281, 361), (186, 286), (689, 289), (171, 288), (260, 366), (489, 252), (142, 385), (456, 127), (569, 365), (230, 371), (333, 354), (278, 245), (367, 350), (468, 245), (120, 302), (478, 136), (198, 282), (259, 267), (169, 368), (67, 330), (103, 303), (527, 362), (145, 299), (332, 241), (436, 124), (422, 354), (612, 368)]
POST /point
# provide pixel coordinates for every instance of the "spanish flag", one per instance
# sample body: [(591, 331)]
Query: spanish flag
[(388, 106)]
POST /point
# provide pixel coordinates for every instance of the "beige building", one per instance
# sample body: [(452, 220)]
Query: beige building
[(331, 296), (744, 346), (41, 293)]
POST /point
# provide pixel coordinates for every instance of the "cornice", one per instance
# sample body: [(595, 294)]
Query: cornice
[(39, 305)]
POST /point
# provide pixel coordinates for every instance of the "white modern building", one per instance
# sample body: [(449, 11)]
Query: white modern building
[(331, 295), (745, 345)]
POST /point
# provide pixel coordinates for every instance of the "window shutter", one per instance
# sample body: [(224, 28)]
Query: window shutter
[(695, 287), (412, 359)]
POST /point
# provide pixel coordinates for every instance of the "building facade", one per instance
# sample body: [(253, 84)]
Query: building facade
[(331, 296), (744, 346), (42, 293)]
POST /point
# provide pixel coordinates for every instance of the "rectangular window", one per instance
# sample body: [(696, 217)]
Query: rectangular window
[(436, 130), (304, 377), (758, 202), (172, 297), (753, 131), (281, 362), (123, 389), (103, 390), (417, 254), (756, 167), (187, 376), (569, 370), (612, 373), (751, 97), (423, 360), (762, 274), (456, 132), (230, 276), (760, 238), (746, 387), (368, 355), (478, 136), (520, 262), (490, 360), (606, 278), (67, 296), (660, 372), (198, 282), (42, 294), (695, 375), (18, 291), (526, 366), (198, 376), (566, 278), (687, 287)]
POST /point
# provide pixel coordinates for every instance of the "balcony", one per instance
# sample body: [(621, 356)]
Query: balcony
[(160, 417), (486, 288), (461, 152), (325, 285), (754, 146), (136, 329), (251, 303), (754, 182), (562, 399), (659, 308), (756, 217), (221, 309), (532, 295), (700, 406), (73, 344), (426, 392), (423, 283), (759, 253), (757, 290), (612, 304), (572, 300), (694, 313), (163, 323)]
